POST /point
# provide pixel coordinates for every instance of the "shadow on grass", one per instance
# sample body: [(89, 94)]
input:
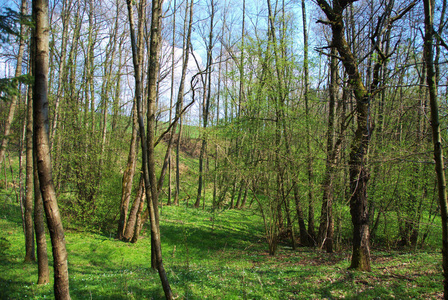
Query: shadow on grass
[(208, 233)]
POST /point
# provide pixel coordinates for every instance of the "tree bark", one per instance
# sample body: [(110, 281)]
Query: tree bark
[(43, 271), (128, 176), (358, 171), (436, 135), (311, 233), (134, 213), (32, 180), (148, 161), (41, 145)]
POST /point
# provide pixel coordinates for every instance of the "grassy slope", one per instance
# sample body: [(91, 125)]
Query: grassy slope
[(214, 256)]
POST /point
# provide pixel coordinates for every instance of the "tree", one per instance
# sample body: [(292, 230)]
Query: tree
[(128, 175), (358, 169), (436, 136), (13, 104), (42, 149), (148, 159), (311, 234), (206, 104)]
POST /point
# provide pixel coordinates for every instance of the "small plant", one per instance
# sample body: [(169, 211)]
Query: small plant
[(4, 248)]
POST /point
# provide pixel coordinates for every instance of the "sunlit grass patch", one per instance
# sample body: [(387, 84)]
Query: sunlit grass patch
[(214, 255)]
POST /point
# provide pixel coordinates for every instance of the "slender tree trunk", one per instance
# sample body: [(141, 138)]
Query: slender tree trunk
[(173, 64), (436, 135), (65, 15), (206, 106), (311, 233), (41, 146), (326, 228), (32, 180), (28, 203), (128, 176), (18, 72), (134, 213), (185, 57), (41, 241), (141, 219), (148, 161), (29, 229)]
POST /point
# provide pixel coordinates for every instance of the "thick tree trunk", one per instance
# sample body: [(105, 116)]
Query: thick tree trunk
[(436, 135), (41, 145), (358, 171)]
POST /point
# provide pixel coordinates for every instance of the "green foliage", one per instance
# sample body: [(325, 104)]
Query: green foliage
[(8, 86), (9, 23)]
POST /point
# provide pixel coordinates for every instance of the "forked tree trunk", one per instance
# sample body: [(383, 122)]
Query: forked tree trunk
[(436, 136), (128, 177), (148, 161), (134, 213), (43, 272), (41, 146), (32, 180)]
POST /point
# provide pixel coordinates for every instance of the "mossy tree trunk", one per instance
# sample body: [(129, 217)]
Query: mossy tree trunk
[(436, 135)]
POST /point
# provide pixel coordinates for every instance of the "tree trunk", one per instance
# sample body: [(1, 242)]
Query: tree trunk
[(148, 161), (41, 241), (32, 180), (436, 135), (128, 176), (311, 234), (206, 106), (358, 171), (18, 72), (326, 228), (41, 146), (28, 203), (134, 213), (65, 16)]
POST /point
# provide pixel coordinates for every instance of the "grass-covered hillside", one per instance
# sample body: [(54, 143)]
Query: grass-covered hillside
[(213, 255)]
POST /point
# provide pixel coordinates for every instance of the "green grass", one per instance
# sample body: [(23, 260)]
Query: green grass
[(220, 255)]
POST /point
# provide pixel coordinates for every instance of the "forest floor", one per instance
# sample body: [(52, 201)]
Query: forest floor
[(220, 255)]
